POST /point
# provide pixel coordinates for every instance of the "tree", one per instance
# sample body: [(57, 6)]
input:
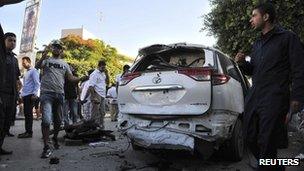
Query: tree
[(228, 21), (84, 55)]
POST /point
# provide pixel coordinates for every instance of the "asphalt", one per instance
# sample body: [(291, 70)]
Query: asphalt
[(114, 155)]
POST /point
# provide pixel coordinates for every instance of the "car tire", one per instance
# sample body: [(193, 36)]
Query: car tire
[(236, 143), (203, 148)]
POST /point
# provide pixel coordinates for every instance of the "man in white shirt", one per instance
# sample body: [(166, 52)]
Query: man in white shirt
[(86, 102), (98, 82), (112, 95)]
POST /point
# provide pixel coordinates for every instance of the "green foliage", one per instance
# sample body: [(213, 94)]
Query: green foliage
[(228, 21), (85, 54)]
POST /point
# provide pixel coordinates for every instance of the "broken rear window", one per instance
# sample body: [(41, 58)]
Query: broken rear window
[(177, 58)]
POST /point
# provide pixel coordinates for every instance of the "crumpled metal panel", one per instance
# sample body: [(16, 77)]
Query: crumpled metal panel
[(161, 139), (220, 122)]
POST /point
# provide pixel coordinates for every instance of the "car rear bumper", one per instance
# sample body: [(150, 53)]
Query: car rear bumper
[(178, 132), (161, 139)]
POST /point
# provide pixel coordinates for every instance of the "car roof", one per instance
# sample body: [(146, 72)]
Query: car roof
[(157, 48)]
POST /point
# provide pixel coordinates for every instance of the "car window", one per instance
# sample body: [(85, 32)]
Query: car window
[(228, 67), (177, 58)]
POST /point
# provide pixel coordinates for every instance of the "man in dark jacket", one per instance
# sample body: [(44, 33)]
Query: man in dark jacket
[(276, 67), (9, 90), (2, 78)]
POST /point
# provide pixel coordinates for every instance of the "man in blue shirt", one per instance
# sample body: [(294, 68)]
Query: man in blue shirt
[(29, 94)]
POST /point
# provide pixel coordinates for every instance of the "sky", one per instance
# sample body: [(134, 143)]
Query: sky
[(126, 25)]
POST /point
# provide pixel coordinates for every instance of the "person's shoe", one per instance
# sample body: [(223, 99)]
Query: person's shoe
[(25, 135), (56, 144), (10, 134), (46, 153), (4, 152)]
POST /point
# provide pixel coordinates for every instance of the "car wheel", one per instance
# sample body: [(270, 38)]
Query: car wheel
[(203, 148), (236, 143)]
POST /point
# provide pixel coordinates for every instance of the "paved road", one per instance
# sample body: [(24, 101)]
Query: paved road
[(111, 156)]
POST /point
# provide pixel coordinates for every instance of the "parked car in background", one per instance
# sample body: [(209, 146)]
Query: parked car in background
[(183, 96)]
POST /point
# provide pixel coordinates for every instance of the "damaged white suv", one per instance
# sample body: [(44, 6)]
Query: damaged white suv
[(183, 96)]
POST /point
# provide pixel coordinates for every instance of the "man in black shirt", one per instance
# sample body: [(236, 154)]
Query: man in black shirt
[(2, 78), (276, 67), (9, 90), (70, 104)]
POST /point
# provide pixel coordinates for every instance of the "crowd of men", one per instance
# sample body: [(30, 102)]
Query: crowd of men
[(57, 90), (55, 87)]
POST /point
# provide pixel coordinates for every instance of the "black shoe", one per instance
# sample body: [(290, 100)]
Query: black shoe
[(25, 135), (10, 134), (47, 152), (4, 152), (56, 144)]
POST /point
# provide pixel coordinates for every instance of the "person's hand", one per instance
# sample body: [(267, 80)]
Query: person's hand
[(295, 106), (83, 101), (239, 57), (44, 55), (20, 100), (34, 97)]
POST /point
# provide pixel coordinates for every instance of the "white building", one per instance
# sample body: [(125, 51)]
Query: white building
[(81, 32)]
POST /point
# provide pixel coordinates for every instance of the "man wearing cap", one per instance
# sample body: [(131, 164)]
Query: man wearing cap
[(54, 71)]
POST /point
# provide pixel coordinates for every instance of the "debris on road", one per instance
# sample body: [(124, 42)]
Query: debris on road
[(105, 153), (98, 144), (71, 142), (126, 165), (3, 166), (54, 160), (88, 131)]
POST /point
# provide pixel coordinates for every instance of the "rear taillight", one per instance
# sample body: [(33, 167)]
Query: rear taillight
[(198, 74), (128, 77), (218, 79)]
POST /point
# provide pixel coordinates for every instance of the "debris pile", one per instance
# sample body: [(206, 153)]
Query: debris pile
[(88, 131)]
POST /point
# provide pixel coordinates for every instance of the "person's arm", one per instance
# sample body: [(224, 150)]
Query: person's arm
[(7, 2), (117, 82), (71, 77), (92, 82), (245, 66), (41, 62), (18, 74), (296, 60), (107, 78), (109, 95), (36, 80)]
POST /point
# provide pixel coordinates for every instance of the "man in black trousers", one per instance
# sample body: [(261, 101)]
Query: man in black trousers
[(277, 70), (2, 79)]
